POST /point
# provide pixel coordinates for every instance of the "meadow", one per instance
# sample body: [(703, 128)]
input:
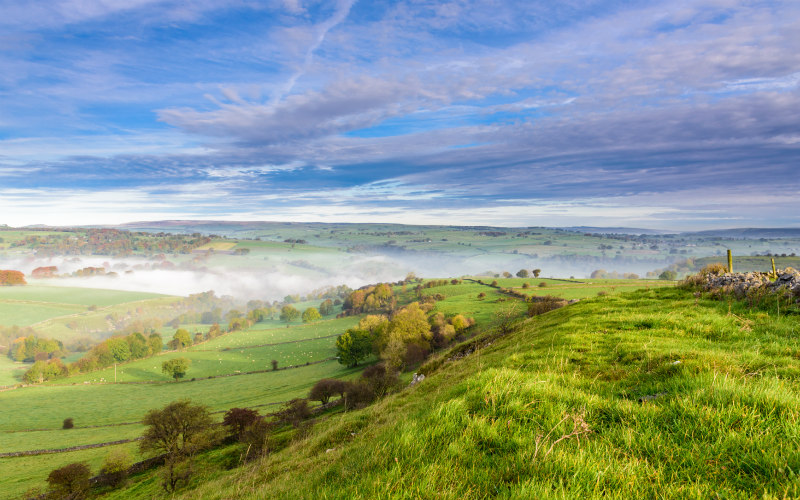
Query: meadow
[(650, 394)]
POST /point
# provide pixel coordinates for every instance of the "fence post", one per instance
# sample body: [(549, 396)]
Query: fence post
[(730, 261)]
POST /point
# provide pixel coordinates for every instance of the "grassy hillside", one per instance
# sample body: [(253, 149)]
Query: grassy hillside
[(648, 394)]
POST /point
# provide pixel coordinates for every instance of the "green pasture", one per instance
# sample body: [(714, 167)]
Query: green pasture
[(21, 474), (206, 363), (11, 371), (647, 394), (279, 333), (13, 312), (72, 295), (45, 407)]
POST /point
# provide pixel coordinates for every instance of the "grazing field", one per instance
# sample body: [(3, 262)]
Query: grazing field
[(647, 394), (45, 407), (72, 295), (10, 371), (26, 313)]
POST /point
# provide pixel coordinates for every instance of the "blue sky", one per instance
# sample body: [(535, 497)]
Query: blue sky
[(679, 114)]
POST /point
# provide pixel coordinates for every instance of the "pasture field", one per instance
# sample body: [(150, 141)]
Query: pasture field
[(72, 295), (27, 313), (22, 474), (94, 323), (279, 333), (647, 394), (45, 407), (10, 371), (208, 363)]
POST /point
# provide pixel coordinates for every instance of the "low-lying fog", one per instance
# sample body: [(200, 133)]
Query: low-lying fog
[(274, 279)]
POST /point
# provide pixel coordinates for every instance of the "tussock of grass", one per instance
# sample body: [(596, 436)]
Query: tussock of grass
[(653, 394)]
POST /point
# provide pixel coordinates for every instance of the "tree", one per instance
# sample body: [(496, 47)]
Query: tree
[(523, 273), (176, 367), (10, 277), (238, 419), (181, 339), (115, 467), (120, 349), (668, 275), (179, 430), (294, 412), (155, 343), (289, 313), (536, 273), (311, 314), (68, 423), (70, 482), (324, 389), (138, 345), (326, 308), (352, 346)]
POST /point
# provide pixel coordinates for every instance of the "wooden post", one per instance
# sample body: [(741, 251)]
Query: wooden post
[(730, 261), (774, 272)]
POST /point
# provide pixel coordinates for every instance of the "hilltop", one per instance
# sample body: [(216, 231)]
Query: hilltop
[(654, 393)]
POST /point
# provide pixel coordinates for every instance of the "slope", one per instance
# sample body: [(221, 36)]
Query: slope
[(652, 394)]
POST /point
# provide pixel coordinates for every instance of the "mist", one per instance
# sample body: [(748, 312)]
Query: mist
[(275, 278)]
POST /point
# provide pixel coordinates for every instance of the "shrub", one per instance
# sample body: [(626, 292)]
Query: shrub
[(115, 467), (178, 431), (716, 268), (379, 380), (357, 395), (68, 423), (324, 389), (238, 419), (274, 365), (542, 284), (70, 482), (257, 438), (525, 285), (294, 412), (545, 304), (417, 354)]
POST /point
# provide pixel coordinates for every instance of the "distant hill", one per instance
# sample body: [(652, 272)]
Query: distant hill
[(750, 232)]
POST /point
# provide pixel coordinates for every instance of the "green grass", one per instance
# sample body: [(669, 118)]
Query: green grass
[(73, 295), (45, 407), (502, 422), (10, 371), (24, 313)]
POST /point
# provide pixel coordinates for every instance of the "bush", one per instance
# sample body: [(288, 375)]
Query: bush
[(274, 365), (238, 419), (542, 284), (417, 354), (115, 467), (379, 380), (68, 423), (294, 412), (357, 395), (257, 438), (70, 482), (324, 389), (545, 304)]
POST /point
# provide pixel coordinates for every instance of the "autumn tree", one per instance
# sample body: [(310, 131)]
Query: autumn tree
[(178, 431), (326, 307), (11, 277), (181, 339), (523, 273), (324, 389), (311, 314), (70, 482), (176, 367)]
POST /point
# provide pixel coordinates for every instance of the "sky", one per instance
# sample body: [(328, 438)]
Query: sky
[(679, 114)]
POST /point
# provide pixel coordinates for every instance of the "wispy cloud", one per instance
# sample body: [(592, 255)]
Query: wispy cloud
[(443, 110)]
